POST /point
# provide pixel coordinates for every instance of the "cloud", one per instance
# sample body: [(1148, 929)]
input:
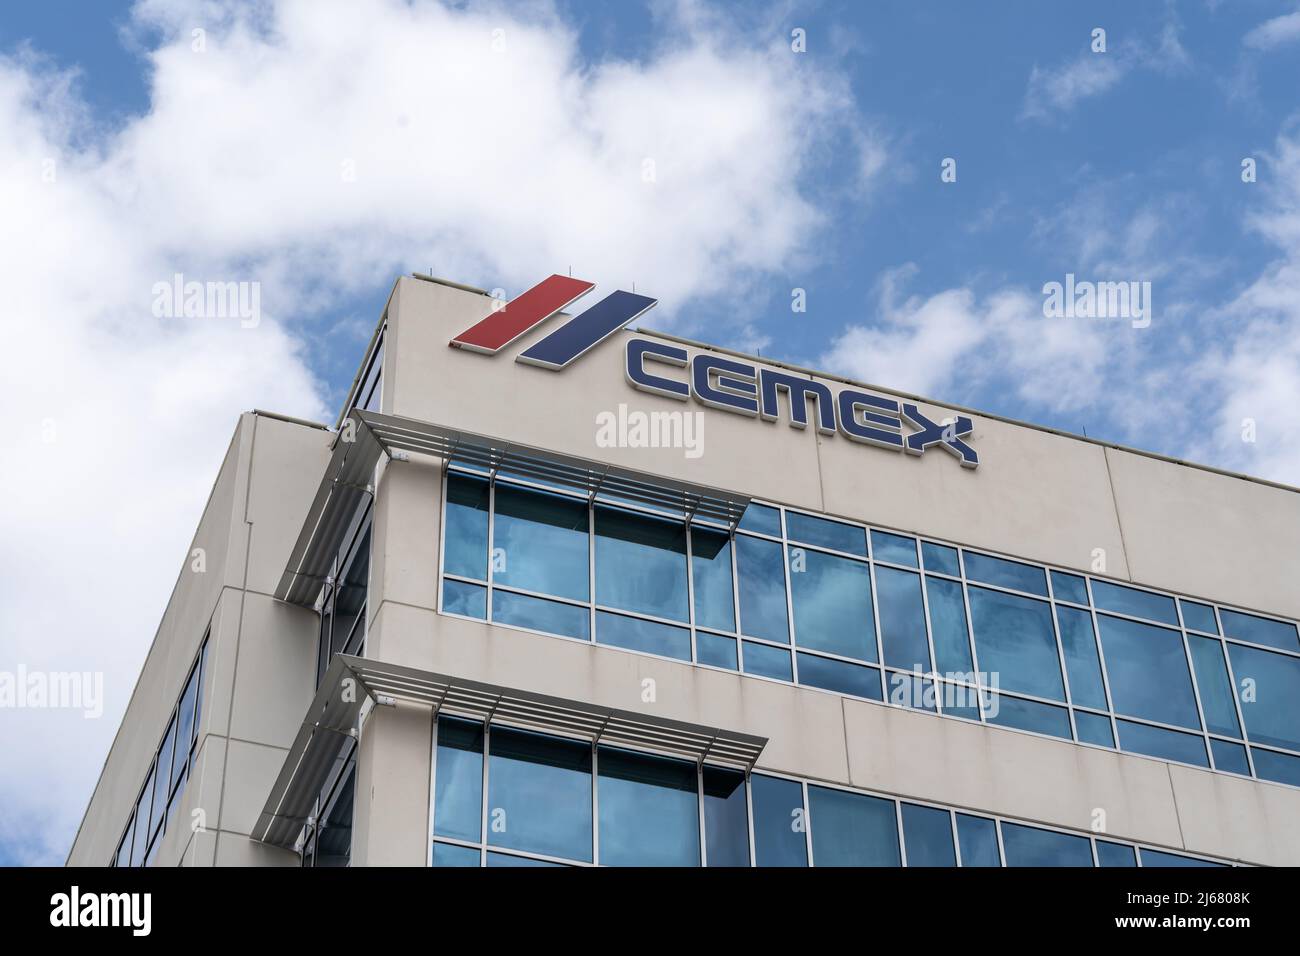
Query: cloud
[(318, 149), (1054, 92), (1274, 33)]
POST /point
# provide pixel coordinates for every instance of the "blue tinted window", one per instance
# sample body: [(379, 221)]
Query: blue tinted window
[(142, 822), (1148, 672), (468, 600), (959, 700), (641, 564), (509, 859), (540, 543), (762, 519), (649, 810), (1229, 757), (185, 726), (534, 613), (832, 604), (726, 820), (927, 835), (1014, 637), (539, 794), (1158, 742), (711, 563), (1115, 854), (1027, 715), (762, 588), (1258, 630), (978, 837), (1030, 846), (638, 635), (1278, 767), (1273, 717), (778, 822), (852, 829), (948, 626), (902, 619), (1116, 597), (894, 548), (839, 676), (1156, 858), (908, 690), (466, 534), (1081, 664), (123, 857), (826, 534), (715, 650), (1199, 617), (1006, 574), (1069, 587), (1215, 687), (458, 780), (162, 780), (448, 854), (767, 661), (940, 558), (1094, 729)]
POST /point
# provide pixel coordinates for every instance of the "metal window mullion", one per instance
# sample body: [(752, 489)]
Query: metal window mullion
[(902, 844), (970, 635), (433, 785), (591, 571), (749, 814), (1196, 687), (807, 822), (595, 803), (690, 590), (734, 547), (879, 632), (956, 838), (1002, 852), (929, 637), (483, 800), (491, 545), (699, 803), (789, 602)]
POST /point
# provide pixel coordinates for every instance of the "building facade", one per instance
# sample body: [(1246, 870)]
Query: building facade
[(572, 594)]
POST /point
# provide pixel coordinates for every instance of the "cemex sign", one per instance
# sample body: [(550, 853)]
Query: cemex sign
[(710, 379)]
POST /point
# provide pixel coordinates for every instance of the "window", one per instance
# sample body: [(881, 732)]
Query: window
[(1273, 716), (465, 527), (902, 619), (334, 835), (1162, 743), (762, 519), (822, 533), (1069, 587), (832, 604), (540, 615), (779, 826), (1024, 714), (927, 835), (1148, 671), (948, 626), (467, 600), (726, 819), (940, 559), (540, 543), (350, 599), (458, 777), (1215, 687), (711, 565), (1122, 600), (1014, 638), (1081, 663), (852, 829), (1005, 574), (978, 839), (539, 794), (1094, 729), (1031, 846), (641, 564), (639, 635), (761, 570), (1258, 630), (1156, 858), (1198, 617), (649, 811), (894, 548), (1115, 854), (840, 676), (767, 661)]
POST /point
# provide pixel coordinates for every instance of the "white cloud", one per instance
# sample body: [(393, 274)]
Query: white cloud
[(1274, 33), (494, 165)]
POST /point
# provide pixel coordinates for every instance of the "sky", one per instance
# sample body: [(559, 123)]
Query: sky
[(883, 190)]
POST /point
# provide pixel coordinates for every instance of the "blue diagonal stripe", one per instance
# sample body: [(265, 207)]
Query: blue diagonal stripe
[(587, 330)]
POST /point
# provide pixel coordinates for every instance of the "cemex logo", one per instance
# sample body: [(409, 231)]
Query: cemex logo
[(710, 379)]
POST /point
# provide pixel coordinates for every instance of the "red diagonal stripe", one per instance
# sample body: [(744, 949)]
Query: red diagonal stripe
[(525, 311)]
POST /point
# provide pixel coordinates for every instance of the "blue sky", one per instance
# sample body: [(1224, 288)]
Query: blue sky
[(497, 164)]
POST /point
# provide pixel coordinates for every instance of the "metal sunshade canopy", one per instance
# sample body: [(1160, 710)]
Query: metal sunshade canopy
[(348, 477), (332, 720)]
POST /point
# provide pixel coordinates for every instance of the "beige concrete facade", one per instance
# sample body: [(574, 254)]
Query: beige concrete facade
[(1037, 494)]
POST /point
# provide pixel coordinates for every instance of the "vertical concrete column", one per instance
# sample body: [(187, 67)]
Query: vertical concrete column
[(390, 823)]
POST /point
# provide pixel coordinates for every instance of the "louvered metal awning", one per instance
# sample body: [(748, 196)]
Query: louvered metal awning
[(333, 719), (350, 472)]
